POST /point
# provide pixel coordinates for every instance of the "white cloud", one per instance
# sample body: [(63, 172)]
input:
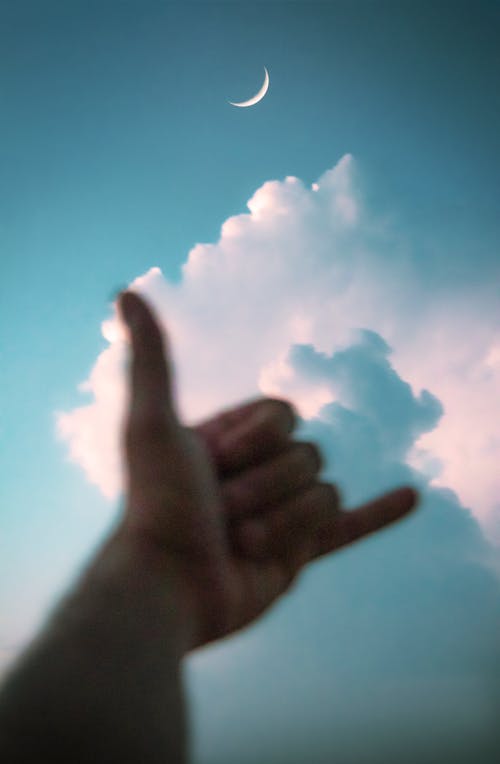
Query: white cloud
[(457, 358), (393, 635), (308, 265)]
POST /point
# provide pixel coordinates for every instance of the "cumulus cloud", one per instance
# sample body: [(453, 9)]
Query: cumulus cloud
[(307, 265), (387, 651), (361, 380)]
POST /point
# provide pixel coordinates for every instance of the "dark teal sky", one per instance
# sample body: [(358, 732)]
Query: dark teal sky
[(122, 107), (118, 148), (119, 151)]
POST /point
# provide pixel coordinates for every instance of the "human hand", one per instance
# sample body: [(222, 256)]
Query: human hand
[(230, 520)]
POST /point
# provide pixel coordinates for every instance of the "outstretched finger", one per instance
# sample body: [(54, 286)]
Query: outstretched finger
[(312, 524), (349, 526), (150, 375), (150, 426)]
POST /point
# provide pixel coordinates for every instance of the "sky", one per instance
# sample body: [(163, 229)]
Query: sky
[(336, 244)]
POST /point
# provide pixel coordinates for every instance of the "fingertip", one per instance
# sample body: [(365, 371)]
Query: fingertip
[(281, 412), (409, 497), (129, 305)]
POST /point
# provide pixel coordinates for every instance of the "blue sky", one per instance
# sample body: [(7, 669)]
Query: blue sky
[(120, 153)]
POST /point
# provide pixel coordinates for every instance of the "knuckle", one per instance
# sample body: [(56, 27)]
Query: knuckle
[(285, 412), (311, 454), (328, 493)]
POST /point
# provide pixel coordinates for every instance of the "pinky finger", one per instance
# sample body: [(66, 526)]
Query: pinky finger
[(313, 524), (347, 527)]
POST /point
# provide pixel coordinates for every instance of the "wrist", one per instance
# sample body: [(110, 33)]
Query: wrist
[(129, 589), (109, 660)]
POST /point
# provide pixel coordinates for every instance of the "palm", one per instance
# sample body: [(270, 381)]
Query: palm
[(249, 470), (256, 585), (205, 548), (274, 514), (248, 586)]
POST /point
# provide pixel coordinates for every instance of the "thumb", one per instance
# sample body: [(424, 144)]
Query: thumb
[(151, 429), (151, 394), (167, 478)]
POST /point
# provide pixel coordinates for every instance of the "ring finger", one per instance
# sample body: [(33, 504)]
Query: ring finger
[(258, 488)]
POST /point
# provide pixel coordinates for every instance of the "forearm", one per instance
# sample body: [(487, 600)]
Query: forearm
[(103, 681)]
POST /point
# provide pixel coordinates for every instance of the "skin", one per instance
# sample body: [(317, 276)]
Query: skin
[(218, 521), (237, 522)]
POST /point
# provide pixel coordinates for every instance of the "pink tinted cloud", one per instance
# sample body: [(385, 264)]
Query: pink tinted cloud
[(306, 265)]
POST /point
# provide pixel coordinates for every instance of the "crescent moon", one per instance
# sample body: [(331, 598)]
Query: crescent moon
[(258, 96)]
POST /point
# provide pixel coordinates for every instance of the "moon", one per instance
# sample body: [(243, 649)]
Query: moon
[(258, 96)]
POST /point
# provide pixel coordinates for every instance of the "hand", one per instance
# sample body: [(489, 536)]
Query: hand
[(257, 463), (231, 534)]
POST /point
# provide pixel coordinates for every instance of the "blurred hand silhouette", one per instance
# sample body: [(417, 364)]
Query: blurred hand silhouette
[(233, 508)]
